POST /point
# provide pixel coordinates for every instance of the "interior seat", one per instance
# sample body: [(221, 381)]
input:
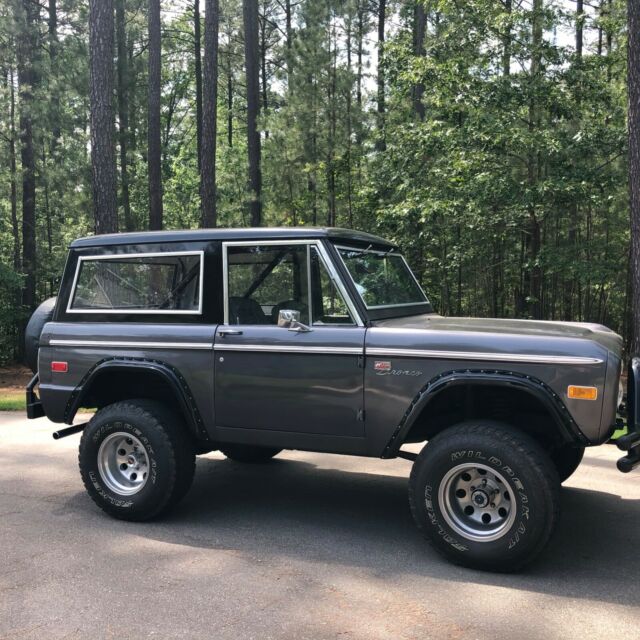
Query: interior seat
[(246, 311)]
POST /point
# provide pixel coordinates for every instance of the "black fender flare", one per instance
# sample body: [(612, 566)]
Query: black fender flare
[(169, 374), (565, 423)]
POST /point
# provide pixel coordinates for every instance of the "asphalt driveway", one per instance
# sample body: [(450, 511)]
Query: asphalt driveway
[(309, 546)]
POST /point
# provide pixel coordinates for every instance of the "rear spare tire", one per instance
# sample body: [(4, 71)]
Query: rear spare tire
[(39, 318)]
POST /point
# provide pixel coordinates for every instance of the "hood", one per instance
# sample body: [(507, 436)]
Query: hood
[(532, 328)]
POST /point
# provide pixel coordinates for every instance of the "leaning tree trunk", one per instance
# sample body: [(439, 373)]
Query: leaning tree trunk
[(634, 166), (103, 155), (154, 151), (250, 12), (209, 115)]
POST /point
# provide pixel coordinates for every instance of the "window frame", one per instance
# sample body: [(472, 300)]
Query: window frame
[(326, 260), (426, 300), (129, 256)]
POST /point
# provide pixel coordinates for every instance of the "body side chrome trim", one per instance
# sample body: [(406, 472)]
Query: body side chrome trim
[(345, 351), (118, 344), (531, 358)]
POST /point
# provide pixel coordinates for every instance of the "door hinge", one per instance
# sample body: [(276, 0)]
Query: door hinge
[(360, 362), (360, 415)]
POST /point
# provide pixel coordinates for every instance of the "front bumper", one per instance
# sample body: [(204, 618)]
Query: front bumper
[(631, 442)]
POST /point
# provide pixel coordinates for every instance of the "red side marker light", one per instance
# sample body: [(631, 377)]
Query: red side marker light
[(60, 367)]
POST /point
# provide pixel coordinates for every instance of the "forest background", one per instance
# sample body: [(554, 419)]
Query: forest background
[(496, 141)]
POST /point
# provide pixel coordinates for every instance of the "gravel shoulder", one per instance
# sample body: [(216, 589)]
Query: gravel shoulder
[(308, 546)]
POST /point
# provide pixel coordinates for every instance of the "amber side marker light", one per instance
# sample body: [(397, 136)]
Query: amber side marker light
[(582, 393)]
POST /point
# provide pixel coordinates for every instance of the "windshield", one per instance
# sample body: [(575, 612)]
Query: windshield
[(382, 279)]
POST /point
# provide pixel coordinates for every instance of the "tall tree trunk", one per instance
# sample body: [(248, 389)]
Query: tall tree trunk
[(533, 237), (331, 130), (601, 12), (419, 29), (154, 149), (197, 50), (27, 13), (54, 107), (13, 171), (210, 112), (349, 28), (230, 100), (633, 79), (506, 41), (288, 40), (123, 111), (263, 68), (250, 14), (103, 158), (360, 51), (380, 142), (47, 207), (579, 28)]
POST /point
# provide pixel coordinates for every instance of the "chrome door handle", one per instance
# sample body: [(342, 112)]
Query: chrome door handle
[(229, 332)]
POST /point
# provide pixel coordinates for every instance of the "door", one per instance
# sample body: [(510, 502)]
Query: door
[(306, 378)]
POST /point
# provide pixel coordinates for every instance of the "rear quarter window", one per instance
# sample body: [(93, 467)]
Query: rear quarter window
[(144, 283)]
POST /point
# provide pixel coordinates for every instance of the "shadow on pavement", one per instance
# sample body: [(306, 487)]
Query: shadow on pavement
[(293, 508)]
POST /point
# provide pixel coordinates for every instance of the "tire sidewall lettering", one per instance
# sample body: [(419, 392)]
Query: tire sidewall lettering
[(518, 530), (94, 476)]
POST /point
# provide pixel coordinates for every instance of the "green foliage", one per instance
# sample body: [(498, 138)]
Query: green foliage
[(504, 153)]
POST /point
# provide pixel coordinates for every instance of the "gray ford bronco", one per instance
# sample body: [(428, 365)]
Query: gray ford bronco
[(251, 341)]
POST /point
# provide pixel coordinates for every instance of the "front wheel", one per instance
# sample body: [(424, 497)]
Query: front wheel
[(136, 459), (485, 495)]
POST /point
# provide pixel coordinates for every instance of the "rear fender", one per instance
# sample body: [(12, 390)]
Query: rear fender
[(142, 367)]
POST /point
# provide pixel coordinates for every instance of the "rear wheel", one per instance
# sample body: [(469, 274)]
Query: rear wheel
[(136, 459), (485, 495), (566, 460), (249, 453)]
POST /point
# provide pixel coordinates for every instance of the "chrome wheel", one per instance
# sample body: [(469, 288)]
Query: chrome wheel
[(123, 463), (477, 502)]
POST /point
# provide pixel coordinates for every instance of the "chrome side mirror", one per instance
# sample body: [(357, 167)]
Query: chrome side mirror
[(286, 317), (290, 319)]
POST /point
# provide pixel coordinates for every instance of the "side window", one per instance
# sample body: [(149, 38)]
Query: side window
[(155, 283), (328, 305), (263, 279)]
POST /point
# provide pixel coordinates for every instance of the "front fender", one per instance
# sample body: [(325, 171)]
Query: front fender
[(565, 424)]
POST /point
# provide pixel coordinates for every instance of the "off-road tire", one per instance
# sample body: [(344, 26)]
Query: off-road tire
[(566, 460), (169, 448), (532, 481), (249, 453)]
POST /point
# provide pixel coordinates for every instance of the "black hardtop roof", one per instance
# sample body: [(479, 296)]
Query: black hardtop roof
[(244, 233)]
